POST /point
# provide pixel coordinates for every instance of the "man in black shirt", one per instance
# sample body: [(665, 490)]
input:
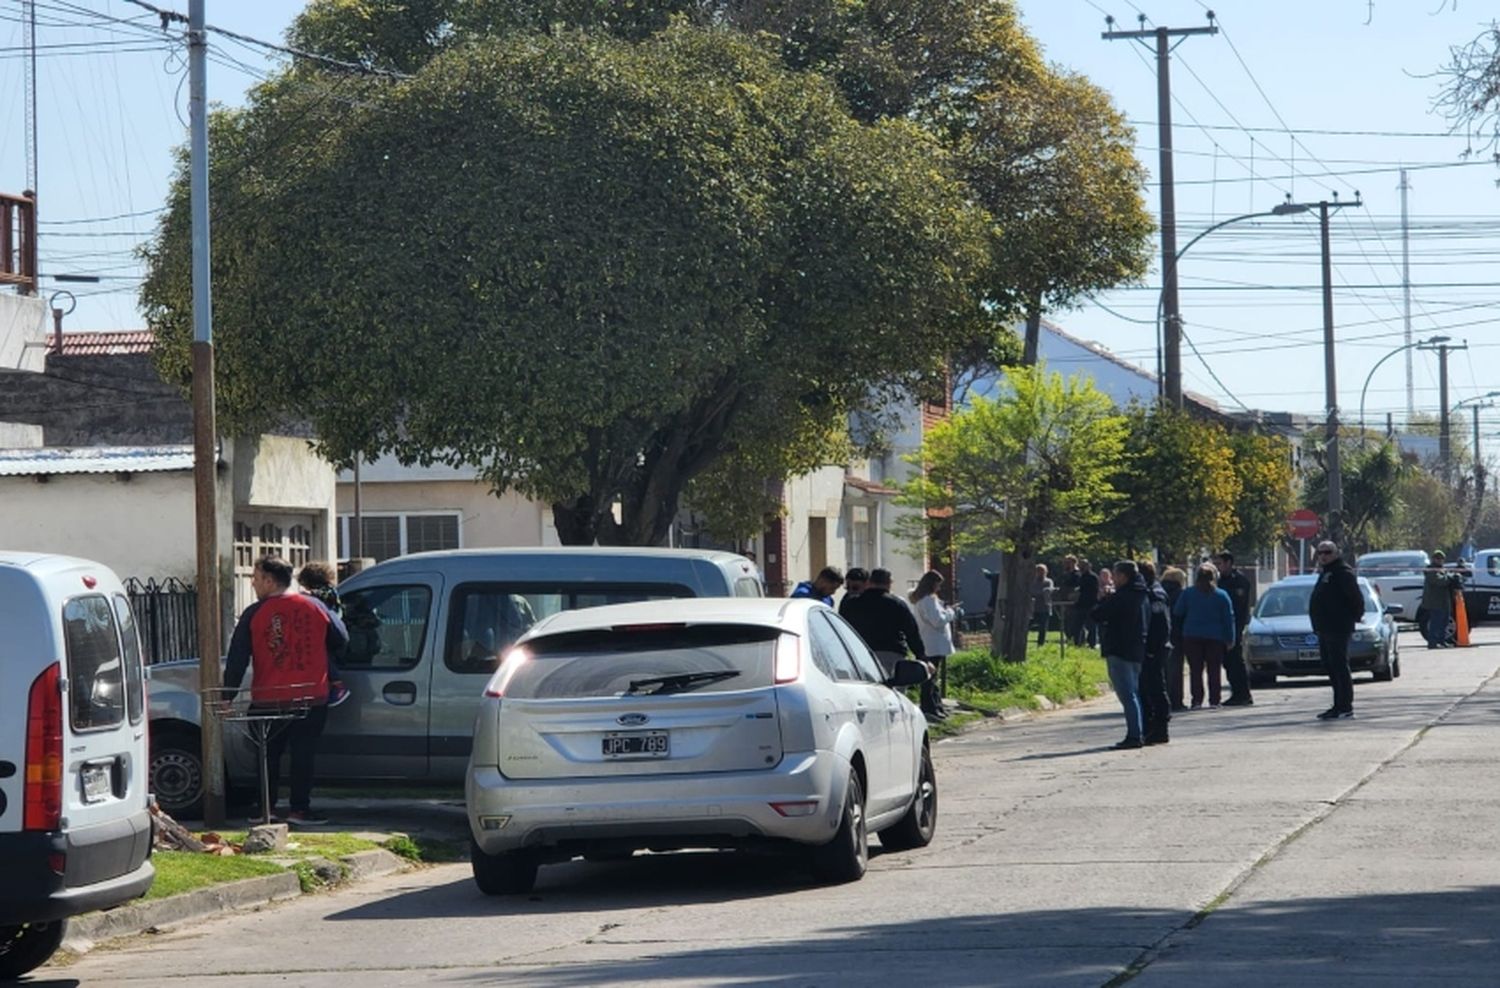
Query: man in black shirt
[(1088, 596), (1237, 585), (887, 625)]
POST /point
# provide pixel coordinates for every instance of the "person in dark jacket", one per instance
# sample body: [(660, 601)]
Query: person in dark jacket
[(1238, 586), (888, 626), (1173, 580), (1088, 596), (821, 587), (1335, 607), (1124, 617), (1156, 708)]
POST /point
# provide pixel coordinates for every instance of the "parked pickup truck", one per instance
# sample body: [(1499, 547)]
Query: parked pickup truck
[(1482, 587), (1397, 577), (425, 633)]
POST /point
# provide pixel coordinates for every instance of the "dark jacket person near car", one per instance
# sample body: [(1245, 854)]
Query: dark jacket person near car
[(1124, 618), (1238, 586), (1438, 587), (1335, 607), (885, 623), (1156, 706)]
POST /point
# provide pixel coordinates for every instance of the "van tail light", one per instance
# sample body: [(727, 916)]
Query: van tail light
[(44, 752), (512, 661), (788, 659)]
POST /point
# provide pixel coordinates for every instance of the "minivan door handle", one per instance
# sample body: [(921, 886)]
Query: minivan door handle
[(400, 694)]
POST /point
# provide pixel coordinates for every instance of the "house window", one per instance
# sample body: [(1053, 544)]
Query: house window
[(390, 535)]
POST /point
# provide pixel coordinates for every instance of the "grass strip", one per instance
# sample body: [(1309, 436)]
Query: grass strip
[(990, 684), (184, 871)]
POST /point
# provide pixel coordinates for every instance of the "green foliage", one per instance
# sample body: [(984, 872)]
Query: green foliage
[(1038, 463), (1427, 516), (1371, 477), (985, 682), (1179, 484), (595, 268), (1268, 491)]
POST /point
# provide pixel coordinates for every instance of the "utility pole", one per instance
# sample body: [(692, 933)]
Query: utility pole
[(1172, 326), (1330, 377), (1445, 436), (205, 437), (1406, 291), (29, 253)]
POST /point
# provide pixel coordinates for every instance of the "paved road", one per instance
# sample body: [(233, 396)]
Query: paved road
[(1261, 847)]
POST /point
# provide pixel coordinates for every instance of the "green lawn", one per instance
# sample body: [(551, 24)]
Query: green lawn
[(183, 871), (991, 685)]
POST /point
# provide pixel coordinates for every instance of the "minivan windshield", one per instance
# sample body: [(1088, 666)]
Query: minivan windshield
[(651, 660)]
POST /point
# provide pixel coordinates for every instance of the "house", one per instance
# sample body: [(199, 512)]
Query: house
[(97, 461)]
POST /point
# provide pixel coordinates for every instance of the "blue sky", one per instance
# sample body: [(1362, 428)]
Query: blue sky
[(1262, 111)]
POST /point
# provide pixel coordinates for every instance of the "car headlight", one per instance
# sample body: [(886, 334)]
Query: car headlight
[(1366, 636), (1260, 641)]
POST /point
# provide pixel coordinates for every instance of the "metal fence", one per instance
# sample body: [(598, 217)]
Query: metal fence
[(167, 617)]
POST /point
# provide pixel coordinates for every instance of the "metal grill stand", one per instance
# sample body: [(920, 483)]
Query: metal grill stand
[(260, 722)]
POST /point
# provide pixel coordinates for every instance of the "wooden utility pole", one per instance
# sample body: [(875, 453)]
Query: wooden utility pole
[(1172, 326), (1330, 378)]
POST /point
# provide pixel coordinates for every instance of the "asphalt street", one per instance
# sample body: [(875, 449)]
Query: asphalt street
[(1261, 847)]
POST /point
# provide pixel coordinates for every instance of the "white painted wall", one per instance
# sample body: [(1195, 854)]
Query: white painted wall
[(24, 324), (485, 521)]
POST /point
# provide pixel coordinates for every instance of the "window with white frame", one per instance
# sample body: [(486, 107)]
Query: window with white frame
[(386, 535)]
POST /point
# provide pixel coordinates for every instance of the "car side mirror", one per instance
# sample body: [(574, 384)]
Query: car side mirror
[(1394, 609), (908, 672)]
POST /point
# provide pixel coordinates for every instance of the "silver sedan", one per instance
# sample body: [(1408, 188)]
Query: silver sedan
[(1280, 640), (705, 723)]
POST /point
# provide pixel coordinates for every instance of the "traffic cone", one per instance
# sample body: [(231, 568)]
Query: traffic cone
[(1461, 620)]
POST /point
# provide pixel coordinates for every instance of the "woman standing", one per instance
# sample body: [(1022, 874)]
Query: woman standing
[(1173, 581), (933, 620), (1207, 618), (1041, 602)]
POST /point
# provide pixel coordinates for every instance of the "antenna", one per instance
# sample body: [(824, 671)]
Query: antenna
[(28, 17)]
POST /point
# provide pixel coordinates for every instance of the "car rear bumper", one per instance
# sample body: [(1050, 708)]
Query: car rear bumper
[(720, 809), (1362, 658), (104, 865)]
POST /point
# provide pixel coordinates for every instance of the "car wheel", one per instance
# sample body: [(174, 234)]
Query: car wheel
[(844, 858), (26, 947), (1396, 663), (503, 874), (177, 773), (916, 828), (1384, 672)]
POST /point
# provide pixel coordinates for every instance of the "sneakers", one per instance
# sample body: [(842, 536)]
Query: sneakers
[(1239, 701), (337, 694), (1332, 714), (305, 818)]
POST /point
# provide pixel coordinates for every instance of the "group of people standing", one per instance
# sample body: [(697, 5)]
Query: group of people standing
[(891, 625)]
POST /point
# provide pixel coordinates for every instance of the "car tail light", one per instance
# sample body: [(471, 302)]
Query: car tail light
[(801, 807), (512, 661), (788, 659), (44, 752)]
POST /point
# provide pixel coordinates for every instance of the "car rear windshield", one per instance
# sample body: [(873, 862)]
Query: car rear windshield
[(646, 661), (1384, 565), (1292, 602), (96, 672)]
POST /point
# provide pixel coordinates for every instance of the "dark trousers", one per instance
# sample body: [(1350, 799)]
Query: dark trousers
[(1176, 666), (1204, 655), (1041, 619), (1156, 708), (1334, 650), (1234, 668), (932, 694), (301, 735)]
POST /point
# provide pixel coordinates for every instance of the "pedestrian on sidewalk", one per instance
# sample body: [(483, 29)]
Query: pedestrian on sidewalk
[(319, 581), (1207, 618), (1156, 708), (887, 625), (1438, 586), (1066, 594), (855, 582), (1088, 596), (1335, 607), (1041, 602), (1173, 580), (934, 622), (1238, 586), (1124, 618), (821, 587)]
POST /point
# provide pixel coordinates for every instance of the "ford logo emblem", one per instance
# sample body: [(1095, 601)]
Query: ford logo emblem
[(632, 720)]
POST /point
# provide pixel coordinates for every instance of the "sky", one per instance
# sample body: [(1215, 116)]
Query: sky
[(1306, 100)]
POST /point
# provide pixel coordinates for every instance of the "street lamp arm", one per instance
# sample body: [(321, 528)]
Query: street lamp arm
[(1370, 376), (1224, 223)]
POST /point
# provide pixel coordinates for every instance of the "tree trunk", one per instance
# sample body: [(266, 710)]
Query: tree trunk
[(1017, 631), (1031, 352), (576, 521)]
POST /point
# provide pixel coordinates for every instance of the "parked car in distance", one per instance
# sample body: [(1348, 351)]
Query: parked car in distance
[(426, 631), (1397, 577), (75, 833), (696, 724), (1280, 639), (1482, 586)]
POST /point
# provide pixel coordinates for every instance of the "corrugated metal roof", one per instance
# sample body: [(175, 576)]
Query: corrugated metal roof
[(103, 344), (94, 459)]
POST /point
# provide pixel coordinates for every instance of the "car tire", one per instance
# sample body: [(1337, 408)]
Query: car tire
[(918, 826), (176, 773), (503, 874), (26, 947), (1385, 672), (845, 858), (1396, 663)]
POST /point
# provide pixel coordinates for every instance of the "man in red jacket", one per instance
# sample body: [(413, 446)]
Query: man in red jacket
[(287, 637)]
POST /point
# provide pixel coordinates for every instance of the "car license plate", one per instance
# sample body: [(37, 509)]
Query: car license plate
[(637, 744), (1309, 653), (98, 784)]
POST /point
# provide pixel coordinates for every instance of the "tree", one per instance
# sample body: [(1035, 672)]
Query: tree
[(1470, 96), (1427, 514), (1267, 492), (1371, 475), (1009, 474), (1178, 484), (597, 268)]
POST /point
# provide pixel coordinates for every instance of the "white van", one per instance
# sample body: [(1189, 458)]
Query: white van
[(426, 632), (75, 834)]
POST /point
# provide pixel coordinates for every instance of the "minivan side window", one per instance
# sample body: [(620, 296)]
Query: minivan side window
[(387, 627), (96, 675), (484, 619), (135, 686)]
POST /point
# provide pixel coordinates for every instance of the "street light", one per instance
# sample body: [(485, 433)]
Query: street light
[(1430, 341), (1173, 388)]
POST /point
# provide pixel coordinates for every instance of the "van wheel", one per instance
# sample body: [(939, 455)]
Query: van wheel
[(177, 773), (503, 874), (26, 947), (844, 858), (918, 826)]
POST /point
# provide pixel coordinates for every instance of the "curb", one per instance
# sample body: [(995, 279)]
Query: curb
[(91, 929)]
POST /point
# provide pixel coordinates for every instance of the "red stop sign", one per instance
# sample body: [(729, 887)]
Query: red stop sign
[(1303, 523)]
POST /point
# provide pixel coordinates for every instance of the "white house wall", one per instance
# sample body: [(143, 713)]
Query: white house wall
[(23, 332), (485, 521)]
